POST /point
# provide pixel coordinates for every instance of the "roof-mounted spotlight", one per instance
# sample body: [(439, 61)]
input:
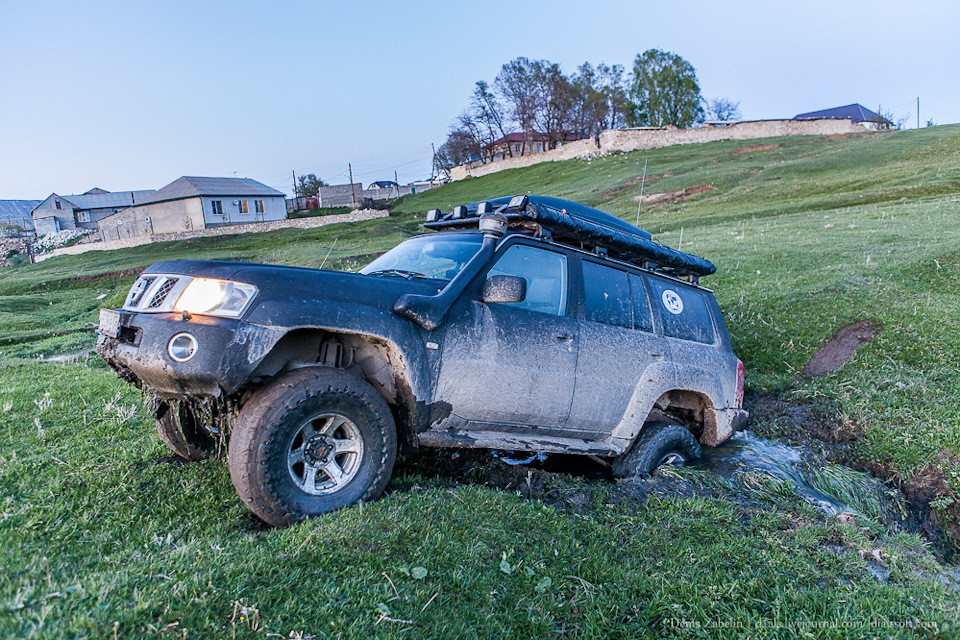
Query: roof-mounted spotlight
[(459, 212), (484, 207), (517, 203), (433, 215)]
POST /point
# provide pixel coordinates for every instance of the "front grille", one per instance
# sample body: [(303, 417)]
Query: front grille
[(162, 292), (138, 290)]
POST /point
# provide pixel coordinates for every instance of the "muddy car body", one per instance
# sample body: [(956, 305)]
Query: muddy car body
[(528, 324)]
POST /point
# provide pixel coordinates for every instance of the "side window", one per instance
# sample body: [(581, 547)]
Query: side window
[(545, 273), (684, 311), (607, 295), (642, 318)]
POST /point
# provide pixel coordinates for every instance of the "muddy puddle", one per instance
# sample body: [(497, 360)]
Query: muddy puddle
[(745, 452)]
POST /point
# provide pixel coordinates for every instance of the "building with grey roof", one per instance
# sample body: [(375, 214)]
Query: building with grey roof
[(189, 203), (84, 211), (857, 114)]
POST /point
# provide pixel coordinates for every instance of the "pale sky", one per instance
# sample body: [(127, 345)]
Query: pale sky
[(132, 95)]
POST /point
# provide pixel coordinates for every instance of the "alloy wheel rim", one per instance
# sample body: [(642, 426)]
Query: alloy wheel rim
[(325, 453)]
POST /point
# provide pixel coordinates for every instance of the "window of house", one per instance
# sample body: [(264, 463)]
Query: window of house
[(83, 216), (217, 207), (607, 296), (258, 206), (684, 311), (516, 148), (539, 147), (242, 206), (545, 273), (57, 202)]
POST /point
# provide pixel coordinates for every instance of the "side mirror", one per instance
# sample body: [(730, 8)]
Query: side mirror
[(504, 289)]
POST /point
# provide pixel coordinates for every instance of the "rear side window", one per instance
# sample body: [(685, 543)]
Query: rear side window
[(607, 295), (684, 311), (641, 307)]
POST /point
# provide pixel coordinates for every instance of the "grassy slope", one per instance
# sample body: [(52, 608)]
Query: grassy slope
[(99, 528)]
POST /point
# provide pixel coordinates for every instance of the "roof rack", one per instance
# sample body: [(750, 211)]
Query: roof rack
[(577, 225)]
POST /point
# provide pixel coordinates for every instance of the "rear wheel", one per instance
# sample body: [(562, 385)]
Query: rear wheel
[(182, 432), (313, 441), (659, 443)]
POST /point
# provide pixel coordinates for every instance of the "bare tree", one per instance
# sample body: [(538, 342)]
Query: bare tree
[(487, 112), (589, 106), (516, 87), (723, 110), (615, 93), (461, 147), (554, 98)]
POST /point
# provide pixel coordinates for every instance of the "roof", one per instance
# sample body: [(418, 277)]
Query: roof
[(856, 113), (383, 184), (531, 137), (192, 187), (105, 200)]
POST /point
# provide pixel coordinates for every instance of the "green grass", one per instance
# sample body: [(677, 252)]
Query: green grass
[(103, 533)]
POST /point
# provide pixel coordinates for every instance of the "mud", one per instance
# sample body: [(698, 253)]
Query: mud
[(756, 147), (840, 348), (672, 196)]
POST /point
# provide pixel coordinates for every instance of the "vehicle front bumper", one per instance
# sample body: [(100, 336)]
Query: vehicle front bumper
[(228, 352)]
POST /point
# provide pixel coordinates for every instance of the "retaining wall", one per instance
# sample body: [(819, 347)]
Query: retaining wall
[(648, 138)]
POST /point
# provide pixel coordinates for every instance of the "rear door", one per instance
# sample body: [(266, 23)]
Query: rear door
[(514, 363), (618, 346)]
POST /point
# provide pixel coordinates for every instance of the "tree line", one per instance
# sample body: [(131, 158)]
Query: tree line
[(537, 100)]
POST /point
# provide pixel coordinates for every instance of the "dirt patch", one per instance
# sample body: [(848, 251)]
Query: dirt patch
[(776, 415), (840, 348), (671, 196), (634, 181), (756, 147)]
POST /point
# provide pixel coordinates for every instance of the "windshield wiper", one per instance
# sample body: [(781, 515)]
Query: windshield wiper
[(409, 275)]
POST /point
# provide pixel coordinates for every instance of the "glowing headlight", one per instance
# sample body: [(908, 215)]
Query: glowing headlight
[(207, 296)]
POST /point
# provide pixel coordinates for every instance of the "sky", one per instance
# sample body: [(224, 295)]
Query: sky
[(134, 94)]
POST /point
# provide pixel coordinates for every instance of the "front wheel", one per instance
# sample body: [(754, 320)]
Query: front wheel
[(313, 441), (183, 433), (659, 443)]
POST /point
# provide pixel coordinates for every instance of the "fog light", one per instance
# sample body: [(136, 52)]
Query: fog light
[(182, 347)]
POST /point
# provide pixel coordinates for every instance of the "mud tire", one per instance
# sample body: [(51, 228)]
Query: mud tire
[(657, 442), (267, 428), (180, 431)]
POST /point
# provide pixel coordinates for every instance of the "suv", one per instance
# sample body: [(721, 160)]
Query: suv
[(524, 324)]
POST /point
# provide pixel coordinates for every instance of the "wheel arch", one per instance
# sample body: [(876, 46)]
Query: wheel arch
[(375, 359)]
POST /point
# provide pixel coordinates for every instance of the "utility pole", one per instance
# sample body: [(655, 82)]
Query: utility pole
[(396, 182), (353, 193), (295, 194), (433, 168)]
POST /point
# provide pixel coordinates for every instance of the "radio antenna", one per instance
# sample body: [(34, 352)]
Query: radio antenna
[(642, 180)]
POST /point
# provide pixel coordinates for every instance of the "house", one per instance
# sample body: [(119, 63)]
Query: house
[(191, 203), (83, 211), (857, 114), (519, 145), (15, 215)]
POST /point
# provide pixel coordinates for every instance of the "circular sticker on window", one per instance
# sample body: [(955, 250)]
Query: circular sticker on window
[(671, 300)]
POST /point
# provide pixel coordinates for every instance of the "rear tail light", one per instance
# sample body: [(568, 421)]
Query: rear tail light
[(741, 377)]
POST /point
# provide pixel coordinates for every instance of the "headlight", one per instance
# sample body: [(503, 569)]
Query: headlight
[(207, 296)]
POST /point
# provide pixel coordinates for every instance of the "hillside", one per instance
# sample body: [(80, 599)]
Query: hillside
[(104, 534)]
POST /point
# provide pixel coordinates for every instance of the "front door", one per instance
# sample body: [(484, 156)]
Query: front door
[(513, 363)]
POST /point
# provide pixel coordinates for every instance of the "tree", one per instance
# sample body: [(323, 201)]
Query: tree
[(460, 147), (664, 91), (553, 102), (615, 95), (723, 110), (308, 186), (487, 112), (589, 108), (516, 87)]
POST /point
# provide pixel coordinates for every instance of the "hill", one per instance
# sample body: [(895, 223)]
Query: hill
[(104, 534)]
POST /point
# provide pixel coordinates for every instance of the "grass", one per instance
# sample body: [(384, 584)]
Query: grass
[(103, 533)]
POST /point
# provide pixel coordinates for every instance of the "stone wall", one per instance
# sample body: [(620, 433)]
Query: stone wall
[(300, 223), (652, 138)]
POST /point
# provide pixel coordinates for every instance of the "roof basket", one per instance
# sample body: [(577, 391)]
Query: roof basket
[(577, 225)]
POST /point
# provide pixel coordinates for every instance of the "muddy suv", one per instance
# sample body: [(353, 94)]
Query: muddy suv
[(524, 324)]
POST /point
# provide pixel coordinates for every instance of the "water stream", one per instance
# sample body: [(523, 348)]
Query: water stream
[(746, 451)]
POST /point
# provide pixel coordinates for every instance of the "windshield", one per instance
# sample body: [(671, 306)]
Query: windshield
[(438, 257)]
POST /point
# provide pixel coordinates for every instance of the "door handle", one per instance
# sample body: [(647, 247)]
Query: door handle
[(563, 336)]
